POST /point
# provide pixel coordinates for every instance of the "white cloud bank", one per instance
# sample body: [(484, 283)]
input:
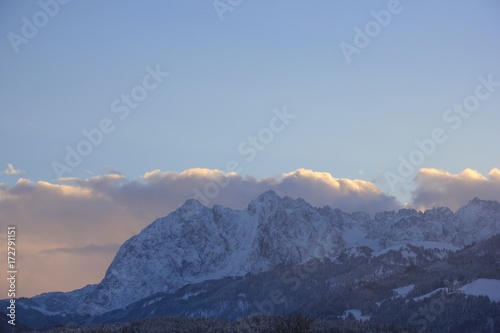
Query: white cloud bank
[(435, 188)]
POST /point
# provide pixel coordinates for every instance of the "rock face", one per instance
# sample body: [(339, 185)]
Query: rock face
[(196, 244)]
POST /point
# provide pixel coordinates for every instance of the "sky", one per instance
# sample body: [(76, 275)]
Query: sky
[(114, 113)]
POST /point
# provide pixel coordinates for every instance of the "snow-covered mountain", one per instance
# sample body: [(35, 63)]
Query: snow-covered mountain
[(195, 244)]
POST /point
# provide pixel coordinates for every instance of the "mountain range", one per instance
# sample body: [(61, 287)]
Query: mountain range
[(282, 255)]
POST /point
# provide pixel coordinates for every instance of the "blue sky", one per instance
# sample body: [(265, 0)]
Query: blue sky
[(227, 76), (353, 118)]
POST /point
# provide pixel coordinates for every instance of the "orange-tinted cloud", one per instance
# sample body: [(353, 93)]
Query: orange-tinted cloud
[(440, 188)]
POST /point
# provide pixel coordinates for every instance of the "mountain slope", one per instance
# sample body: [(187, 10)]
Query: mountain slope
[(195, 245)]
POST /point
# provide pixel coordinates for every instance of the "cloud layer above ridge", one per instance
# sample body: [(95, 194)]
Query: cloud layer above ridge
[(436, 188)]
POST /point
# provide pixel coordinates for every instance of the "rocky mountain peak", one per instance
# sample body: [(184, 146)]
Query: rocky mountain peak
[(195, 244)]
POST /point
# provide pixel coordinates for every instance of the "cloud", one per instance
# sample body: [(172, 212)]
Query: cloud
[(440, 188), (76, 223), (321, 188), (11, 170), (92, 248)]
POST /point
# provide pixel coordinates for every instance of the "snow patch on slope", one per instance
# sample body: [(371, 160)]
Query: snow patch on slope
[(403, 291), (356, 313), (483, 287), (422, 297), (425, 245)]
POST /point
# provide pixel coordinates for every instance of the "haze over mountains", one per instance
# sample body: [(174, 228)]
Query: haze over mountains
[(282, 255)]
